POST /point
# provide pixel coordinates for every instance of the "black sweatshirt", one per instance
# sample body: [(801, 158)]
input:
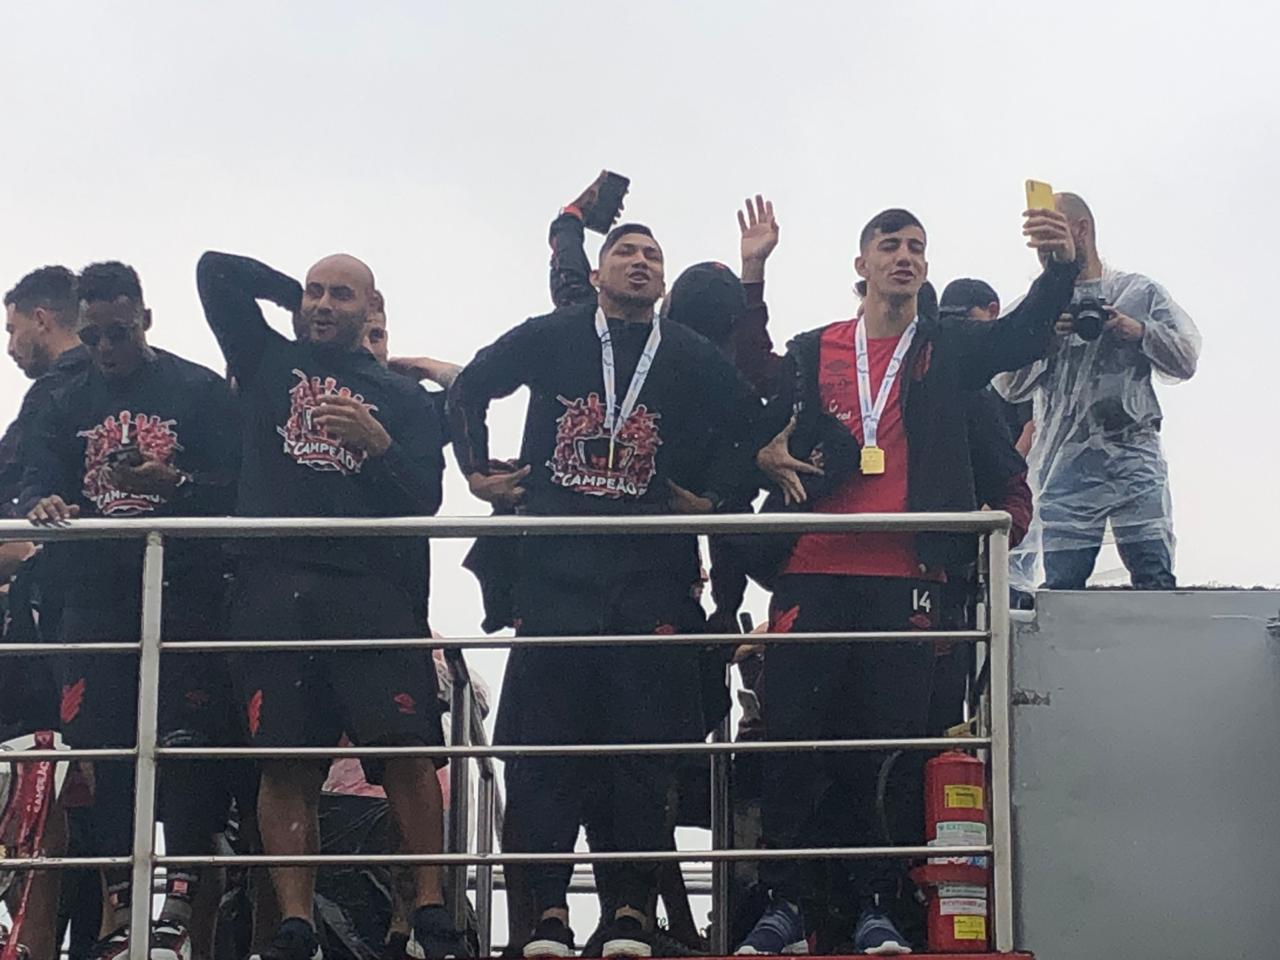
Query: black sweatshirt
[(293, 469), (692, 425), (12, 456), (173, 411)]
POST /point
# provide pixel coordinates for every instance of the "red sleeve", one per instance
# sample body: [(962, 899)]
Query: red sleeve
[(1016, 502)]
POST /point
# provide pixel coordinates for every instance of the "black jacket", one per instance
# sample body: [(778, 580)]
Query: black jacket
[(693, 426), (12, 456), (173, 411), (947, 362), (293, 469)]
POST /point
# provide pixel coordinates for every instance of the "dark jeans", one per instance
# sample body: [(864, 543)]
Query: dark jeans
[(1148, 562), (831, 691)]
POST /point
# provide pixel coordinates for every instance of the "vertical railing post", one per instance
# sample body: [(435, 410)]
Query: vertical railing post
[(484, 845), (144, 820), (721, 837), (1001, 659), (459, 781)]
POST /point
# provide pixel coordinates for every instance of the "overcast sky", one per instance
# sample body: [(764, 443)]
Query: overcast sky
[(437, 140)]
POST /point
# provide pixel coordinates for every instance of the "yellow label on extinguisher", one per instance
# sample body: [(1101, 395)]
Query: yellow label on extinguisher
[(962, 796), (969, 928)]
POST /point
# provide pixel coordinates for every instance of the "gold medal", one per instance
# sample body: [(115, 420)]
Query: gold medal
[(872, 461)]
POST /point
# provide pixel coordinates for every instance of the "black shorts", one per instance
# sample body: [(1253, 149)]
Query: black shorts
[(296, 699), (99, 692)]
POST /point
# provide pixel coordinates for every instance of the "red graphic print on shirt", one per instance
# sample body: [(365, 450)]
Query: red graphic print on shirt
[(580, 460), (309, 444), (153, 438)]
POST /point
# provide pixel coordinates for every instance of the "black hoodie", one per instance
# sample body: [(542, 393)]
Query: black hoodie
[(292, 468)]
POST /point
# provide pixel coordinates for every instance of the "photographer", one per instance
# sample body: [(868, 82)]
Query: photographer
[(1096, 455)]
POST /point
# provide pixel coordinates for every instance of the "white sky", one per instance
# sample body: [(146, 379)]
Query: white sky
[(437, 140)]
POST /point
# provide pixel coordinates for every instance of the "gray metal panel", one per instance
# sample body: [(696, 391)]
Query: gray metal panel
[(1146, 776)]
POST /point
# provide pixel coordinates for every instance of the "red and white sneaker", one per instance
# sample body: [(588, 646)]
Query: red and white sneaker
[(112, 946), (170, 941)]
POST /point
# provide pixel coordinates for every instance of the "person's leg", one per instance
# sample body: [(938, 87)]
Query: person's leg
[(1068, 568), (1149, 564), (289, 821), (890, 691), (413, 792)]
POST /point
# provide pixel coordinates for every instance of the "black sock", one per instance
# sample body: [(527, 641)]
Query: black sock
[(179, 894), (119, 898)]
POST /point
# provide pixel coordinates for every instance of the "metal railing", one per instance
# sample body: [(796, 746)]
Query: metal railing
[(467, 733)]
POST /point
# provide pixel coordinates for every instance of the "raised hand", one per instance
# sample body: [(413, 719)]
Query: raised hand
[(759, 230), (1049, 234)]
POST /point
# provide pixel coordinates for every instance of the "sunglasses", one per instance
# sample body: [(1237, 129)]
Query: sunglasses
[(115, 335)]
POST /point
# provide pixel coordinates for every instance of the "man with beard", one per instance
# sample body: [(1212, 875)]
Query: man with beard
[(329, 432), (627, 416), (898, 379), (1096, 457), (40, 319), (139, 433)]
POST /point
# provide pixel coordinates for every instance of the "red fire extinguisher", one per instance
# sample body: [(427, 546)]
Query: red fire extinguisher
[(955, 803)]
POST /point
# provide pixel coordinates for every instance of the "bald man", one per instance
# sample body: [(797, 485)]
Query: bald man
[(1096, 457), (330, 432)]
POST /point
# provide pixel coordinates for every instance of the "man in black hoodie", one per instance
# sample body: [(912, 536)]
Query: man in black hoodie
[(330, 432), (898, 379), (139, 433), (628, 415)]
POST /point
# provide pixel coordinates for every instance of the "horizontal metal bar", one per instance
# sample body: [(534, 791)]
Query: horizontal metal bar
[(96, 753), (469, 859), (62, 863), (577, 640), (980, 521), (49, 649), (575, 749), (583, 856)]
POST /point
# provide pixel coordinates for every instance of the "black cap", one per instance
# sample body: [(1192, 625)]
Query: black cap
[(965, 294), (709, 299)]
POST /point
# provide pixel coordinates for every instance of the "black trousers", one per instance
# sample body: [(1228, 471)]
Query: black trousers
[(597, 695), (839, 691)]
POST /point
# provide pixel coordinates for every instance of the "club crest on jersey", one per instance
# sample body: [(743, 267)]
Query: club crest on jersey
[(580, 460), (153, 438), (310, 444)]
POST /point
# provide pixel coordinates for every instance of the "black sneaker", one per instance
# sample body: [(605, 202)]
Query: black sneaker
[(433, 937), (295, 940), (551, 938), (395, 947), (627, 937)]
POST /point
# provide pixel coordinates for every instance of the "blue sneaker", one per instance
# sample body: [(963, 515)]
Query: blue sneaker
[(876, 935), (779, 930)]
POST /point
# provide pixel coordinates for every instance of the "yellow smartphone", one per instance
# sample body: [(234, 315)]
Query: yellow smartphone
[(1040, 196)]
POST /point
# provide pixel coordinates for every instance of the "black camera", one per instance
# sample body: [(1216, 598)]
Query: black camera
[(1088, 317)]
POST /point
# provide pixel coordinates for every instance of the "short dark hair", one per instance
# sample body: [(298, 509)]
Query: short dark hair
[(53, 288), (966, 293), (108, 282), (620, 231), (888, 221)]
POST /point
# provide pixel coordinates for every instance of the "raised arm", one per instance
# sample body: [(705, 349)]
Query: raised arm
[(753, 352), (1023, 335), (230, 287)]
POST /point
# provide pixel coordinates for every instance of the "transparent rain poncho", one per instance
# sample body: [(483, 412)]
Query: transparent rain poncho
[(1096, 456)]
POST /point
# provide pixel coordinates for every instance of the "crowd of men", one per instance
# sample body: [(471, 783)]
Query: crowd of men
[(907, 406)]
